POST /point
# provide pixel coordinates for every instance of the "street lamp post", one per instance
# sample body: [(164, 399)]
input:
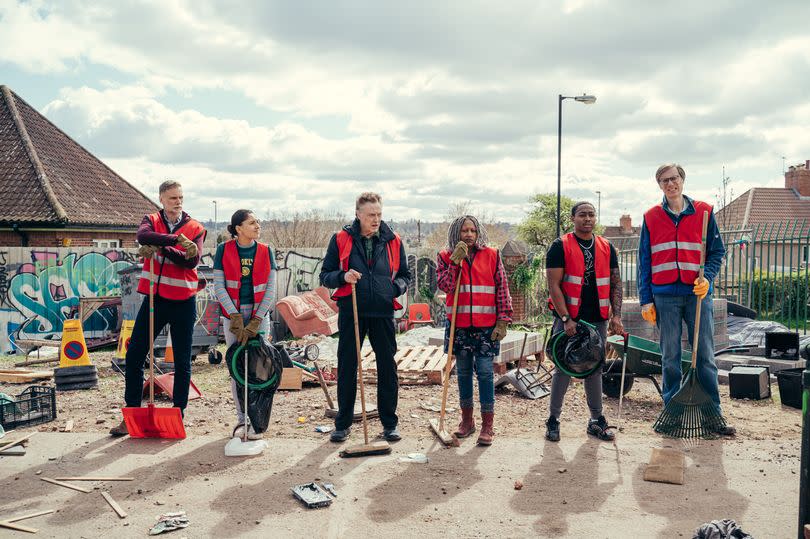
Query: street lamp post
[(215, 218), (588, 100), (598, 206)]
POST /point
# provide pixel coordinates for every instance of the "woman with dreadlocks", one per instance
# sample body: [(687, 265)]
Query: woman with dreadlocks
[(484, 309)]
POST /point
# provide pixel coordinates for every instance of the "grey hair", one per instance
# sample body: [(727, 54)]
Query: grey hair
[(454, 232), (168, 184), (666, 166)]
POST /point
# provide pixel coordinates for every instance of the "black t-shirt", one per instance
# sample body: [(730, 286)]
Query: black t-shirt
[(555, 258)]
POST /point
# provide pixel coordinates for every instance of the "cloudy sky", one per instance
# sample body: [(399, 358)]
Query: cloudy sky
[(292, 105)]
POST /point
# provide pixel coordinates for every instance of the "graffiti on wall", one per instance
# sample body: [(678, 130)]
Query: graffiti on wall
[(297, 272), (45, 291)]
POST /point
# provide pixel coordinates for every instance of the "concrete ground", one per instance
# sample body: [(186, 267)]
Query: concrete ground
[(579, 487)]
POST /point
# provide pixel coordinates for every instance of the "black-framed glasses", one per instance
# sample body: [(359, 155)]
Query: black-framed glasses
[(673, 179)]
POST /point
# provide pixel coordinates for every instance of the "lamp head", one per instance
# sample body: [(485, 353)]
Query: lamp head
[(587, 99)]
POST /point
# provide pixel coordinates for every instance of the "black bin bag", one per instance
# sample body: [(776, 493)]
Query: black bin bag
[(263, 378)]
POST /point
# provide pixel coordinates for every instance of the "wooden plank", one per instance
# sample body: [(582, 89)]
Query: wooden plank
[(291, 378), (12, 443), (15, 451), (117, 508), (32, 515), (94, 478), (66, 485), (23, 376), (18, 527)]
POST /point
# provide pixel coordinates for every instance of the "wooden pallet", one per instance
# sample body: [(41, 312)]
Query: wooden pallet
[(415, 365), (23, 376)]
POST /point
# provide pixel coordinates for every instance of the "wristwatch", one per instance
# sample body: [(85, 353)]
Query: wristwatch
[(565, 318)]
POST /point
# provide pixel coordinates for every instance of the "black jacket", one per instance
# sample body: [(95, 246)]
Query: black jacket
[(375, 289)]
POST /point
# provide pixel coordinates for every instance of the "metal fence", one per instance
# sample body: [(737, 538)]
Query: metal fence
[(765, 269)]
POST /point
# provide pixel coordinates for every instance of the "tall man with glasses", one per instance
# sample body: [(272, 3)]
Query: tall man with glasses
[(669, 285)]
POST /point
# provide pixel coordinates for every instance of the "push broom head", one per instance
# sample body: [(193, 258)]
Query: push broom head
[(364, 450), (690, 413)]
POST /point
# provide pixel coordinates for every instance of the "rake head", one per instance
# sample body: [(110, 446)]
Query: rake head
[(690, 413)]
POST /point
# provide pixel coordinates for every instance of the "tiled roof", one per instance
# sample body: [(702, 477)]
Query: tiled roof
[(47, 177), (765, 205), (616, 231)]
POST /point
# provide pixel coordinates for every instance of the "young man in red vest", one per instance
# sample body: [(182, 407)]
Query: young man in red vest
[(371, 256), (669, 286), (172, 242), (584, 284)]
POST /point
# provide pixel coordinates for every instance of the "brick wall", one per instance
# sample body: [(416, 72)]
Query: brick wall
[(76, 238), (518, 297), (799, 179)]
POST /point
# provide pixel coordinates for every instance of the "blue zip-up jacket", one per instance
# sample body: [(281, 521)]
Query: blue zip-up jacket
[(715, 251)]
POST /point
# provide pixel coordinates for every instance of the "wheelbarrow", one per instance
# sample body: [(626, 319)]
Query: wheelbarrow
[(643, 361)]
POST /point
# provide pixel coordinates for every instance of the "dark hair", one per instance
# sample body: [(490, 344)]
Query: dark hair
[(238, 217), (454, 232), (576, 206)]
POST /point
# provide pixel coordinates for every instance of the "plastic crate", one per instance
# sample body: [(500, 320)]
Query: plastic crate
[(790, 387), (35, 405)]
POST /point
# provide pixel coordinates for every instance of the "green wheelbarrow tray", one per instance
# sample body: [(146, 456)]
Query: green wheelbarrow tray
[(644, 356)]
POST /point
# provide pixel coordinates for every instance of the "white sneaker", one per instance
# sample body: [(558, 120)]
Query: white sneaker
[(253, 435)]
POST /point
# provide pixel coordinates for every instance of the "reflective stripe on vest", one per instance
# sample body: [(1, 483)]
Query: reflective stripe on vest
[(477, 292), (675, 249), (260, 273), (173, 281), (344, 244), (574, 273)]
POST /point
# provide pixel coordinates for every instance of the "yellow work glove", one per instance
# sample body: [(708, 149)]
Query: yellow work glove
[(701, 287), (188, 245), (459, 253), (500, 330), (147, 251), (238, 327), (252, 329), (648, 313)]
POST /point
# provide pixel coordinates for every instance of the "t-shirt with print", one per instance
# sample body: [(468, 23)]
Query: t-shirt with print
[(589, 306)]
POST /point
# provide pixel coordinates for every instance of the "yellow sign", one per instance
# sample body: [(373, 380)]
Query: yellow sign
[(123, 338), (73, 351)]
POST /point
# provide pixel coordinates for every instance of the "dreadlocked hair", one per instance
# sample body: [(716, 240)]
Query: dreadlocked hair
[(454, 232)]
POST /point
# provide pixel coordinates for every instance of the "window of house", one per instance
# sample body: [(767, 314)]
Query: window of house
[(106, 244)]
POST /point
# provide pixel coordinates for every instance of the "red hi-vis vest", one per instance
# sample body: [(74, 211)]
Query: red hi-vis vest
[(172, 281), (344, 245), (232, 266), (574, 272), (476, 295), (675, 249)]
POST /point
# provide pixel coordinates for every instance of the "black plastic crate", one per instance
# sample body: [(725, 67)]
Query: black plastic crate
[(782, 345), (790, 387), (35, 405)]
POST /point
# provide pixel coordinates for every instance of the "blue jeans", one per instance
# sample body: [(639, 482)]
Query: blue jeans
[(485, 374), (672, 311)]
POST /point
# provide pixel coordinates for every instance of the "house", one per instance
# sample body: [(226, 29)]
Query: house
[(54, 192)]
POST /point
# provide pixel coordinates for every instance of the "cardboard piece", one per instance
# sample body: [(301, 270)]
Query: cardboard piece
[(291, 379), (666, 466)]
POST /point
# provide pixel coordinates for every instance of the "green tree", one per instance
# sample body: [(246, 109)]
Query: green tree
[(540, 225)]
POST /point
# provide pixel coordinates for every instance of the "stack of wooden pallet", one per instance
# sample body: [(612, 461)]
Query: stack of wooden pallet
[(418, 365)]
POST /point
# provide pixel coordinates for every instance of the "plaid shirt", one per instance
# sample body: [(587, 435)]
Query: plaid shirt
[(446, 281)]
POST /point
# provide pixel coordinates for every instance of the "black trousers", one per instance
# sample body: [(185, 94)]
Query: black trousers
[(382, 335), (181, 315)]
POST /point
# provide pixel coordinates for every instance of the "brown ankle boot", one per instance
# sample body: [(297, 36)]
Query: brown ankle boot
[(120, 429), (487, 434), (467, 425)]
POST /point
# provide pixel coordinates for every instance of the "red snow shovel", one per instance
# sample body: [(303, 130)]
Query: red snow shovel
[(151, 422)]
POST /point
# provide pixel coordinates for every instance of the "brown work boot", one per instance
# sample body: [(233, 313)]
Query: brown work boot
[(467, 425), (487, 434), (120, 429)]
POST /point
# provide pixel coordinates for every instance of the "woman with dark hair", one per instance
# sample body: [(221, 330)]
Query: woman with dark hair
[(484, 310), (245, 286)]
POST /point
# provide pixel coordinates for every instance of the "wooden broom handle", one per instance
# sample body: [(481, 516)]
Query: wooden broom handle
[(696, 333), (448, 365), (152, 263), (359, 363)]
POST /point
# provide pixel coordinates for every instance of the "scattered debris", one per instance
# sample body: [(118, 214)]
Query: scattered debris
[(518, 484), (17, 451), (324, 428), (330, 488), (95, 478), (170, 521), (416, 458), (312, 495), (68, 426), (302, 419), (117, 508), (7, 523), (66, 485), (562, 470), (432, 406), (666, 466), (11, 443)]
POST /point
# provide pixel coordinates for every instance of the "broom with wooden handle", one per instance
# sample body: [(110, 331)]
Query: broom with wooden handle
[(691, 413)]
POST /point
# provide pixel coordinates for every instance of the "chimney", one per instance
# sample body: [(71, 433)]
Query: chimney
[(626, 224), (798, 178)]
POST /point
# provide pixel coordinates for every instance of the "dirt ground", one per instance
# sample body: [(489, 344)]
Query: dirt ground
[(577, 488)]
